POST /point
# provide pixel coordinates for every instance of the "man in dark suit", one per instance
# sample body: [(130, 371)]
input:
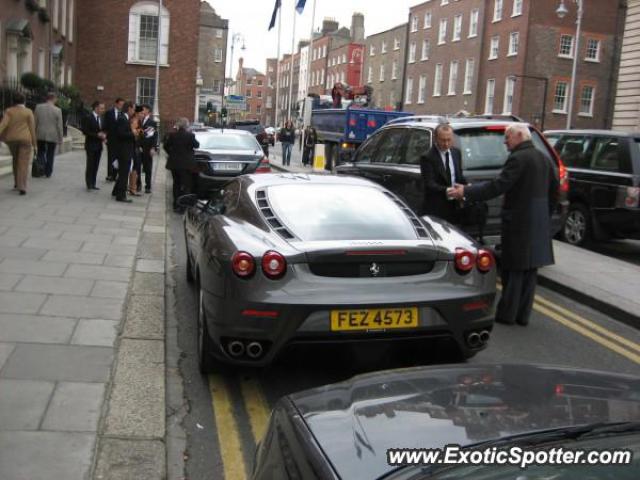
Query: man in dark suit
[(149, 147), (126, 144), (110, 120), (529, 182), (180, 145), (94, 136), (441, 168)]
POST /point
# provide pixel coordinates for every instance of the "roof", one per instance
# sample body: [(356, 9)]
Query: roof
[(251, 72), (435, 120), (618, 133), (220, 131), (272, 179)]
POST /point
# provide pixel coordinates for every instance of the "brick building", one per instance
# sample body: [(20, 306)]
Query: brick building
[(252, 84), (122, 63), (627, 107), (38, 36), (331, 37), (383, 68), (268, 117), (344, 65), (212, 58)]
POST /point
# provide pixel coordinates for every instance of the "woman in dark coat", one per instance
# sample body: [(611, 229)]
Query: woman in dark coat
[(179, 146), (310, 140)]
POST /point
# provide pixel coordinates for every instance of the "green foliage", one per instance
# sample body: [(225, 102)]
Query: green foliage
[(64, 104), (70, 91), (32, 81)]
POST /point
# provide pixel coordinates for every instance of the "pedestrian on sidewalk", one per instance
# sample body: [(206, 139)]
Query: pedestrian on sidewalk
[(49, 132), (149, 147), (529, 182), (18, 131), (287, 139), (310, 140), (110, 121), (136, 169), (179, 146), (125, 138), (94, 138)]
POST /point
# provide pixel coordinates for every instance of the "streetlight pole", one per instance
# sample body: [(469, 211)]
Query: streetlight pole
[(156, 106), (544, 95), (235, 38), (561, 12)]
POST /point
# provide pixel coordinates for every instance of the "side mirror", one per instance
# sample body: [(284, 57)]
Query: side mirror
[(186, 201)]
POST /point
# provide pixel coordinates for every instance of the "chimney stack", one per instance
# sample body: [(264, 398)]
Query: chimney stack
[(357, 28)]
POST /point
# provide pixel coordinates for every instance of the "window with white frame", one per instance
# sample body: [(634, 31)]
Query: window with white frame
[(412, 52), (427, 19), (444, 2), (396, 43), (248, 93), (509, 88), (372, 50), (145, 91), (469, 71), (560, 98), (442, 33), (269, 101), (324, 51), (342, 76), (409, 94), (497, 10), (414, 23), (453, 77), (322, 76), (426, 46), (344, 58), (69, 75), (56, 13), (517, 8), (71, 23), (383, 48), (381, 72), (370, 74), (422, 88), (42, 56), (593, 50), (494, 48), (217, 55), (437, 81), (473, 23), (586, 101), (394, 69), (143, 33), (457, 28), (514, 41), (489, 96), (566, 46), (219, 33)]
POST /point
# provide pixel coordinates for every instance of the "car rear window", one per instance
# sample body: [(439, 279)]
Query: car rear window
[(339, 212), (484, 148), (229, 141)]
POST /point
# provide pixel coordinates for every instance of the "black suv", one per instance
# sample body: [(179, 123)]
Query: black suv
[(391, 157), (605, 183), (255, 128)]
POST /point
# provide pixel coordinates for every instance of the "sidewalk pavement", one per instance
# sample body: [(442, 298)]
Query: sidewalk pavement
[(601, 282), (82, 363)]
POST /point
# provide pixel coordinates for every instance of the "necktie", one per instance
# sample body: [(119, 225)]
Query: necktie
[(98, 120), (447, 167)]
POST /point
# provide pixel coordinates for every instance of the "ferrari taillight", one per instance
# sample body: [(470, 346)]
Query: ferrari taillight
[(484, 260), (243, 264), (464, 260), (274, 265), (263, 166)]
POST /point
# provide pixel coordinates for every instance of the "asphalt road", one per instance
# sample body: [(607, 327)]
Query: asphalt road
[(228, 412)]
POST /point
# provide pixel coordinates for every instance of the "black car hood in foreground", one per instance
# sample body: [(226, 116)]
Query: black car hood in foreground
[(356, 421)]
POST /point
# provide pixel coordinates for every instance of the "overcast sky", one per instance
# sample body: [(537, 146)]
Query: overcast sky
[(251, 19)]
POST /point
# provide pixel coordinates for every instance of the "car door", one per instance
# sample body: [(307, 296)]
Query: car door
[(386, 157), (407, 178)]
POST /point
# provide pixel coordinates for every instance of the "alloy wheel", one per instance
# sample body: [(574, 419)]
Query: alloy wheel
[(575, 227)]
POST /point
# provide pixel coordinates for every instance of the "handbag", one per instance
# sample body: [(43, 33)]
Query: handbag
[(37, 168)]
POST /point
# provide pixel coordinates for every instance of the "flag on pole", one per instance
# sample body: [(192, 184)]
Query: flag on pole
[(300, 6), (274, 14)]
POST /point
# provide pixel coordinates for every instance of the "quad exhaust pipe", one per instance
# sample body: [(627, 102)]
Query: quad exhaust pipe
[(235, 348), (254, 349), (478, 339)]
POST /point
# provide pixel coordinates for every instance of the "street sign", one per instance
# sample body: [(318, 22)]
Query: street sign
[(235, 102)]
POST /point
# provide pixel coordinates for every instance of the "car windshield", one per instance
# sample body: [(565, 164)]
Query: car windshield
[(226, 141), (339, 212), (484, 148)]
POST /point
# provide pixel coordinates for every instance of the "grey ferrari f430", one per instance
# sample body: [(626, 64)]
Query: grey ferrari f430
[(287, 259)]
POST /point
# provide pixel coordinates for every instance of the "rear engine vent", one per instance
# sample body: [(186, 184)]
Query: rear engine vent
[(265, 208), (370, 269), (415, 221)]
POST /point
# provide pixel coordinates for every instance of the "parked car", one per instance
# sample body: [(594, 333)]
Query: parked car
[(362, 267), (604, 194), (254, 127), (224, 154), (345, 430), (391, 157)]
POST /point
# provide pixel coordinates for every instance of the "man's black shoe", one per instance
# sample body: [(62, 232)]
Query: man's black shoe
[(125, 200), (109, 179), (95, 188), (147, 190)]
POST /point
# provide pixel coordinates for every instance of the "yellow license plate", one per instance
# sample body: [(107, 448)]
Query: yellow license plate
[(374, 319)]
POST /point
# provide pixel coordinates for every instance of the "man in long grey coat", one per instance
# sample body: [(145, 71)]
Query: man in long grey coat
[(48, 132), (529, 182)]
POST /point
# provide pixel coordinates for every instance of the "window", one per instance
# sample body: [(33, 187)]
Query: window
[(63, 18), (324, 51), (409, 93), (42, 63), (517, 8), (217, 55), (218, 33), (71, 15), (422, 87), (383, 48), (145, 91), (344, 58), (453, 77), (593, 50), (473, 23), (509, 87), (560, 98), (427, 20), (372, 50), (566, 46), (488, 100), (586, 101), (248, 93), (437, 81), (370, 74), (495, 45), (497, 10), (419, 141), (514, 40), (249, 80), (469, 71), (269, 101), (56, 13), (394, 70), (382, 72), (143, 33), (414, 23), (396, 43), (412, 52), (426, 46), (457, 28), (442, 33), (258, 109), (217, 86), (69, 75), (444, 2)]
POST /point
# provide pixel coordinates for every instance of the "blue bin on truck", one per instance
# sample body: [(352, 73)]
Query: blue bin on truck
[(343, 130)]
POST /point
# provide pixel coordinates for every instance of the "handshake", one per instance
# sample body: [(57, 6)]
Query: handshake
[(456, 192)]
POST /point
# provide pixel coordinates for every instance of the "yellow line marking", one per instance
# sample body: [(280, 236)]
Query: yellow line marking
[(587, 333), (588, 323), (257, 407), (227, 429)]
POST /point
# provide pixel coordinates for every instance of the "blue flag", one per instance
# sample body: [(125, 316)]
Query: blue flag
[(274, 14), (300, 6)]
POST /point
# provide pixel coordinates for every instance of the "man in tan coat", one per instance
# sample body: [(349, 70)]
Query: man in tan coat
[(49, 131), (18, 131)]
